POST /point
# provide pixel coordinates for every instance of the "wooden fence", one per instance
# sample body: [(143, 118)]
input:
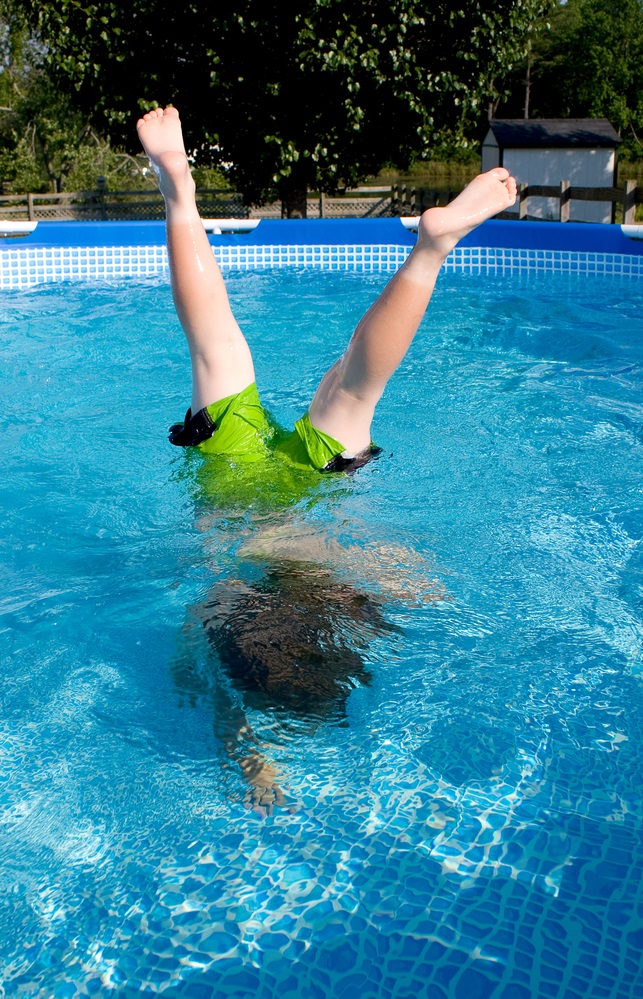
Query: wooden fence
[(103, 205), (361, 202), (212, 203), (628, 196)]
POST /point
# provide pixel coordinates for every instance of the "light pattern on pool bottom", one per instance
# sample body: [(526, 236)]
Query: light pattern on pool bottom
[(465, 820)]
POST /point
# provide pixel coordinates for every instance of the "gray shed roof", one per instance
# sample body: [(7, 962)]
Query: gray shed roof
[(524, 133)]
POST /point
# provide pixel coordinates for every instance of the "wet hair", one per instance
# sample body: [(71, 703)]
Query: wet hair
[(294, 640)]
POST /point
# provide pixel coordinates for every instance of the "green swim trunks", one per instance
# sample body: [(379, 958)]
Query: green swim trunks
[(240, 428)]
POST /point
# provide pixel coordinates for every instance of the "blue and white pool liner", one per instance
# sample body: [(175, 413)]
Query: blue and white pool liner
[(79, 251)]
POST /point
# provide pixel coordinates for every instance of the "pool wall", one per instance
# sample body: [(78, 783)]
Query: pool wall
[(62, 251)]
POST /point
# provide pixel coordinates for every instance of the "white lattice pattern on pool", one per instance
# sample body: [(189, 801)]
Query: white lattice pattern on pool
[(24, 267)]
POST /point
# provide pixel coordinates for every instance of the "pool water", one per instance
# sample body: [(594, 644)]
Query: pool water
[(456, 815)]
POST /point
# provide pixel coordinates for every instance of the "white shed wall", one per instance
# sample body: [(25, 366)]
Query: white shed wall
[(582, 167), (490, 156)]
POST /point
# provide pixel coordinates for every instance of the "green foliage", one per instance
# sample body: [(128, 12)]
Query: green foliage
[(212, 177), (95, 158), (46, 143), (318, 93), (590, 65), (19, 167)]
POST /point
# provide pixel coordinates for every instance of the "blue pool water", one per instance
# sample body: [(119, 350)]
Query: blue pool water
[(465, 820)]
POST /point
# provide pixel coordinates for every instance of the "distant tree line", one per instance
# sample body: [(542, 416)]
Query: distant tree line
[(586, 63), (279, 97)]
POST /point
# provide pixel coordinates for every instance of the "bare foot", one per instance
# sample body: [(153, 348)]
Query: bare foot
[(487, 194), (162, 139)]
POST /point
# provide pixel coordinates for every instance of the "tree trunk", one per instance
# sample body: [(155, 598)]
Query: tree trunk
[(294, 204), (527, 87), (293, 191), (56, 181)]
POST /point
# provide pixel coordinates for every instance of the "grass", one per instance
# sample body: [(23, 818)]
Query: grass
[(631, 171), (433, 174)]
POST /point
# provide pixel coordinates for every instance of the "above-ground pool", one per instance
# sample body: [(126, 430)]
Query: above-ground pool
[(460, 817)]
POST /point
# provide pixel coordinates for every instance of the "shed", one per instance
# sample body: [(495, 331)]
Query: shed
[(545, 151)]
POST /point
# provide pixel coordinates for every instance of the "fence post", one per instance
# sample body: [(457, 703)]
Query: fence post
[(564, 200), (523, 194), (30, 207), (101, 187), (629, 202), (322, 205), (395, 199)]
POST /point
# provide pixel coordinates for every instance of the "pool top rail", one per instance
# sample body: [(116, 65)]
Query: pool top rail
[(580, 236)]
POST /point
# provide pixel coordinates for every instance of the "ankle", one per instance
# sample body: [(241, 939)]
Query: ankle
[(174, 177)]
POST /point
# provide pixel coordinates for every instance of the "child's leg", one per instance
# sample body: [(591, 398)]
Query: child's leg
[(221, 361), (345, 401)]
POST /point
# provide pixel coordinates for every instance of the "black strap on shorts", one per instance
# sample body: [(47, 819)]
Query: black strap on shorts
[(341, 464), (194, 430)]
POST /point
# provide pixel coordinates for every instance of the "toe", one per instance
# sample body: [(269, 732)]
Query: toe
[(500, 172)]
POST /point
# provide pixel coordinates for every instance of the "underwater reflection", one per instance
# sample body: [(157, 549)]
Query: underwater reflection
[(278, 646), (294, 640), (290, 645)]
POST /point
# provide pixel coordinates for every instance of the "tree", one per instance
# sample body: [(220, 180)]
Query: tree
[(312, 94), (590, 65), (46, 143)]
